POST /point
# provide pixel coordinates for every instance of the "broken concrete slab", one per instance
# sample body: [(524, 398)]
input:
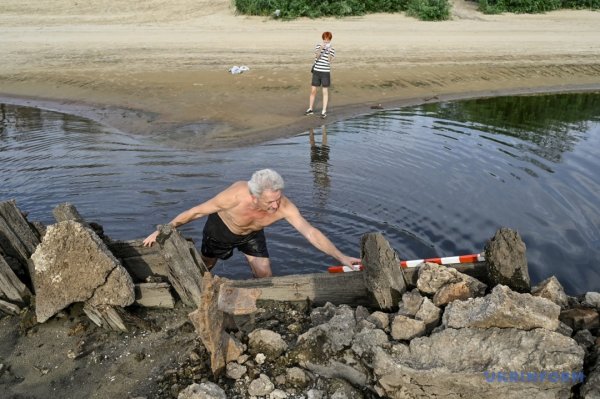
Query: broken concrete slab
[(72, 264)]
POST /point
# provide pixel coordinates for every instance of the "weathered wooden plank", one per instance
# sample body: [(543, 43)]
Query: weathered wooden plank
[(154, 295), (11, 287), (132, 248), (319, 288), (184, 271), (17, 238), (141, 262), (337, 288), (9, 308), (19, 225), (105, 316), (383, 278)]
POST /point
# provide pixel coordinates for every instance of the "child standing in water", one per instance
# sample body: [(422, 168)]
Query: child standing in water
[(321, 73)]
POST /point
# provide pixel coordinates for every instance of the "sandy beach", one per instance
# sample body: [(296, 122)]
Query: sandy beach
[(161, 68)]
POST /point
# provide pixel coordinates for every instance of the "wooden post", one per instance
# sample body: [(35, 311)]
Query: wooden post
[(318, 288), (17, 238), (185, 267), (384, 278), (10, 286), (154, 295), (141, 262), (210, 323)]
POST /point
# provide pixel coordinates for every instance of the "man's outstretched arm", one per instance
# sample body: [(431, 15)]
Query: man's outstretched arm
[(315, 236), (224, 200)]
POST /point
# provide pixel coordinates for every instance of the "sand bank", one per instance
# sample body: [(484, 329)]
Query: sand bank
[(161, 68)]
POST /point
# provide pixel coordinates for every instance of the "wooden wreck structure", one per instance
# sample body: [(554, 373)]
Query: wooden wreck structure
[(175, 265)]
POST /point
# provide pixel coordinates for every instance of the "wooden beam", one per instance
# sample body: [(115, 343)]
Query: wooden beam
[(141, 262), (185, 268), (9, 308), (154, 295), (17, 238), (319, 288), (10, 286), (337, 288), (105, 316)]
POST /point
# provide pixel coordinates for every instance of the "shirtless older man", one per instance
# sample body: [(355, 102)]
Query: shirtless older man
[(237, 216)]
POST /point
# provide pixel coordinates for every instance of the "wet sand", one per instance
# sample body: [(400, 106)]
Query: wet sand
[(161, 69)]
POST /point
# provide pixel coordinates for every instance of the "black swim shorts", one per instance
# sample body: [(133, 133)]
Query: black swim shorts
[(219, 242), (321, 79)]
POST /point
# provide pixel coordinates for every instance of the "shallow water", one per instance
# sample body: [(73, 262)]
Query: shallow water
[(437, 180)]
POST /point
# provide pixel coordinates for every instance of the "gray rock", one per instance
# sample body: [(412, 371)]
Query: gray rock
[(584, 338), (452, 363), (206, 390), (354, 373), (315, 394), (340, 389), (592, 299), (235, 371), (464, 289), (72, 264), (591, 388), (564, 329), (411, 303), (551, 289), (365, 340), (361, 313), (261, 386), (429, 313), (278, 394), (297, 377), (507, 261), (581, 318), (364, 325), (404, 328), (505, 309), (379, 319), (330, 337), (266, 341), (432, 277), (322, 314)]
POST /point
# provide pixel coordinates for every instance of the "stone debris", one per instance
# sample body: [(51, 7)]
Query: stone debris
[(68, 252), (434, 332), (505, 309), (506, 260)]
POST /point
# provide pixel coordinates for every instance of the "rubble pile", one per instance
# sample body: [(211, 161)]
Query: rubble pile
[(436, 331)]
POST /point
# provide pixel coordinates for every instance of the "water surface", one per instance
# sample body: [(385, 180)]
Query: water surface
[(436, 180)]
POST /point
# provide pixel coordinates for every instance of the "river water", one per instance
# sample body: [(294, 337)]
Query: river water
[(436, 180)]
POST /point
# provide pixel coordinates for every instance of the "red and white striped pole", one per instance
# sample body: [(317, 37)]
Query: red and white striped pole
[(449, 260)]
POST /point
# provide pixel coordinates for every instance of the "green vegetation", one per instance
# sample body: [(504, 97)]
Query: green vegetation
[(426, 10), (429, 10), (291, 9), (534, 6)]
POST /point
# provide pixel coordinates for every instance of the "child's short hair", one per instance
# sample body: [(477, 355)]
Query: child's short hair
[(327, 36)]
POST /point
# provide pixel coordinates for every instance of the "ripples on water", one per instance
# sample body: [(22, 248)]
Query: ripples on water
[(437, 180)]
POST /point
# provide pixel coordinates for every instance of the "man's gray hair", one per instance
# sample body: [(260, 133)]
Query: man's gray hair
[(265, 179)]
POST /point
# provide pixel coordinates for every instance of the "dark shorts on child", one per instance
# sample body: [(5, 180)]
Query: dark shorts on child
[(219, 242), (321, 79)]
